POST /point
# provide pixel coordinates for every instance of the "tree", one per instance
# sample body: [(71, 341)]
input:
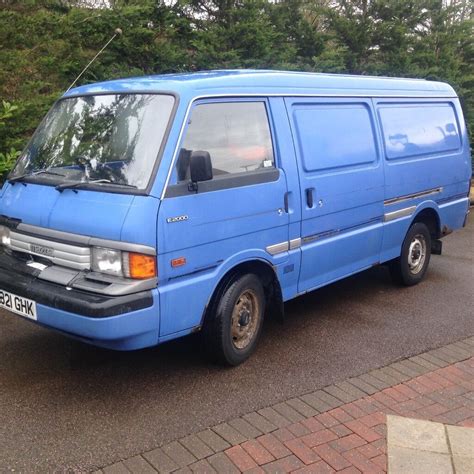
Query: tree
[(46, 43), (7, 158)]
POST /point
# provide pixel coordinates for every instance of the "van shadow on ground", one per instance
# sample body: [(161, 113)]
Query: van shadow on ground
[(328, 302)]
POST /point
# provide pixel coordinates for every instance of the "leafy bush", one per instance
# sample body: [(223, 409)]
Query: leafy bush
[(7, 158), (46, 43)]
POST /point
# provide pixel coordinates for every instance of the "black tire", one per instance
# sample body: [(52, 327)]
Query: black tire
[(410, 268), (232, 330)]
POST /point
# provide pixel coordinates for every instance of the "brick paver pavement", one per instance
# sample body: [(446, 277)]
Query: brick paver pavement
[(340, 428)]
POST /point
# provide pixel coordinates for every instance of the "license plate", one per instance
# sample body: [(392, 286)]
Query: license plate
[(16, 304)]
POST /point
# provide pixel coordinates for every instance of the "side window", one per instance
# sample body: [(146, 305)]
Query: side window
[(334, 136), (410, 130), (236, 135)]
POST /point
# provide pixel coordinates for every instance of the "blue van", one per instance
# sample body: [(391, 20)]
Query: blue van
[(146, 209)]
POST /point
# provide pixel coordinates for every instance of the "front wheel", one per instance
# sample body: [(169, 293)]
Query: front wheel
[(232, 332), (410, 268)]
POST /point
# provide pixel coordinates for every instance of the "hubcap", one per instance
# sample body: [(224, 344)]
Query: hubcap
[(245, 319), (417, 254)]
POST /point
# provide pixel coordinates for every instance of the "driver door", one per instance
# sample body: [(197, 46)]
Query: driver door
[(235, 215)]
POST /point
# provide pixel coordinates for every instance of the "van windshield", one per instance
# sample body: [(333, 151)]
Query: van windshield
[(111, 139)]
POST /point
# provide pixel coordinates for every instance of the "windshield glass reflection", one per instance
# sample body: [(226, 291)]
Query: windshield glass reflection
[(113, 138)]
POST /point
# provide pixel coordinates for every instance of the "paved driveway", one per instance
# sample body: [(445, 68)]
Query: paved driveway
[(95, 407)]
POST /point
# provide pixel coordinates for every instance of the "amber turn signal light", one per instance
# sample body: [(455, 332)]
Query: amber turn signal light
[(142, 266)]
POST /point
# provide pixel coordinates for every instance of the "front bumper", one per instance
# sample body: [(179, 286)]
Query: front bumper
[(118, 322), (16, 277)]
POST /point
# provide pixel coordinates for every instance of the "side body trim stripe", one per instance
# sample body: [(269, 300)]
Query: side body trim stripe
[(407, 211), (284, 246), (407, 197), (277, 248), (329, 233), (295, 243)]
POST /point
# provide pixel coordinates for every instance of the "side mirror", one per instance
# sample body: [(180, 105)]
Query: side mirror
[(200, 166)]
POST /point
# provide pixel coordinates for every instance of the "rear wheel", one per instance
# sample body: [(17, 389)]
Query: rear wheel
[(232, 332), (410, 268)]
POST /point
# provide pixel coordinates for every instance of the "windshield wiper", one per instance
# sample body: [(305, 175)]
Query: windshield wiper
[(80, 184), (33, 173)]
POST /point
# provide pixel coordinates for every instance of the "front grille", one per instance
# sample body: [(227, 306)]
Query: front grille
[(67, 255)]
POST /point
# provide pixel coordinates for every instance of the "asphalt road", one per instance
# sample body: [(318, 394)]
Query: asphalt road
[(64, 406)]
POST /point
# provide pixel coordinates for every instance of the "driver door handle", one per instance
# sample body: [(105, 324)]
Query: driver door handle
[(309, 197)]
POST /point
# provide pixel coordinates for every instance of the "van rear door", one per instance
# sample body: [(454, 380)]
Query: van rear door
[(342, 187)]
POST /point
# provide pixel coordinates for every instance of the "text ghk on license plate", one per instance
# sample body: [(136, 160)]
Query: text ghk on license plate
[(17, 304)]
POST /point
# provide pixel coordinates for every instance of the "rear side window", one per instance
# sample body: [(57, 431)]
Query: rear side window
[(236, 135), (332, 136), (418, 129)]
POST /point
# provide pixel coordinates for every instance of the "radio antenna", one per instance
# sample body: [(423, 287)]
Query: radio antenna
[(117, 32)]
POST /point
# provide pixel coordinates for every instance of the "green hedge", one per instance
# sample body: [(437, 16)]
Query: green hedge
[(45, 44)]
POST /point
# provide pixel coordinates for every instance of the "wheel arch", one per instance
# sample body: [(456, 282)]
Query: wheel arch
[(267, 275), (430, 217)]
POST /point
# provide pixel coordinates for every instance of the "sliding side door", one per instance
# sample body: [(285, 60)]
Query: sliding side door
[(341, 185)]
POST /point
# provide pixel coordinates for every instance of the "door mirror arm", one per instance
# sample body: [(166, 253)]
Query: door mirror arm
[(193, 187)]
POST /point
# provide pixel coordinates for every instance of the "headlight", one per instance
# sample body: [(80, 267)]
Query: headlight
[(4, 236), (107, 261), (123, 264)]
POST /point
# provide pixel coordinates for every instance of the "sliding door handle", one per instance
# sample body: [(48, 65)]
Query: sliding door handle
[(309, 197), (286, 200)]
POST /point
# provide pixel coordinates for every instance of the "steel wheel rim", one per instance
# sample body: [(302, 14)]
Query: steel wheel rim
[(417, 254), (245, 319)]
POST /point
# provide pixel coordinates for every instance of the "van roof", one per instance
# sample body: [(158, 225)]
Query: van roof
[(265, 82)]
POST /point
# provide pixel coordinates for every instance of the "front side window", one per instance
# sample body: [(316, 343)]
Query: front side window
[(104, 139), (235, 134)]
